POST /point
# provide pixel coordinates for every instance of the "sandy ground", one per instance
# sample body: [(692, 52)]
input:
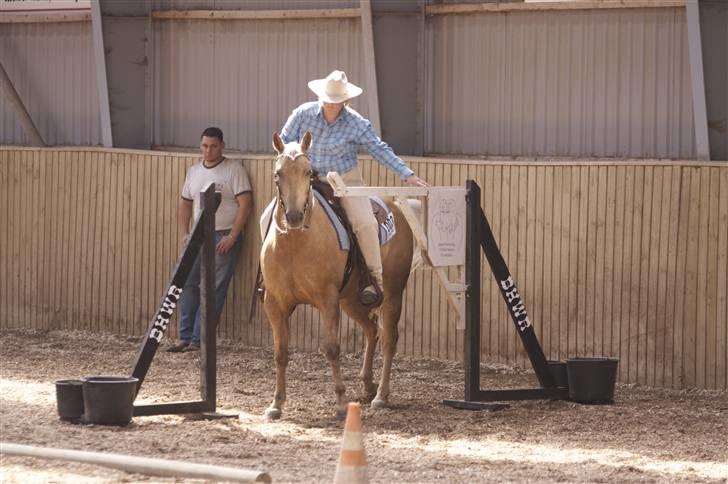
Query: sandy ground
[(647, 435)]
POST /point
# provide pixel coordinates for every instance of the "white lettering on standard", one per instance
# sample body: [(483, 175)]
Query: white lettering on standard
[(165, 313), (508, 283), (518, 309)]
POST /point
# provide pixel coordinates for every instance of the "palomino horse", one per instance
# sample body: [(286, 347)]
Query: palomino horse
[(301, 263)]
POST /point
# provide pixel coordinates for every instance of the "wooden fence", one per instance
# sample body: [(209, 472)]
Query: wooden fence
[(626, 259)]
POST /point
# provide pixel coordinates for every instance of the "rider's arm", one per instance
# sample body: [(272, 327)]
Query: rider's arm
[(292, 129), (383, 153)]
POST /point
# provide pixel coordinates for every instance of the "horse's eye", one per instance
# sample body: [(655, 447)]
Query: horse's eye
[(309, 173), (276, 176)]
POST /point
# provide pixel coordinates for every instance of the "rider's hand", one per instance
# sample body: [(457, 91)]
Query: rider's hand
[(416, 181)]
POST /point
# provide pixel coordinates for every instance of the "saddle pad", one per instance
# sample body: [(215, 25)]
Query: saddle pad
[(344, 242), (385, 219), (382, 213)]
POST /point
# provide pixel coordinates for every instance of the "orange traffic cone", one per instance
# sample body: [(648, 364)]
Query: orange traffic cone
[(352, 467)]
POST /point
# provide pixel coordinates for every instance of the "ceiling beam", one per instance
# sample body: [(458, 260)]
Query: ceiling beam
[(255, 14)]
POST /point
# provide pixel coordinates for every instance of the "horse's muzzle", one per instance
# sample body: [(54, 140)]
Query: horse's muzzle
[(294, 218)]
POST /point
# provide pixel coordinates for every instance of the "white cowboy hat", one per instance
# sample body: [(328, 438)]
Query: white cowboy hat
[(335, 88)]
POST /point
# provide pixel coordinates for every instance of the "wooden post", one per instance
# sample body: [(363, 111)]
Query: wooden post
[(101, 84), (170, 297), (370, 65), (471, 357), (421, 75), (700, 116), (208, 303), (200, 243), (23, 117)]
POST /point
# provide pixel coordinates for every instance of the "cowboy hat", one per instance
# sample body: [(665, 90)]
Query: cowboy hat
[(335, 88)]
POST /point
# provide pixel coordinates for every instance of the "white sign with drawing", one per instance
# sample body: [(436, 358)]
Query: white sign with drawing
[(446, 227)]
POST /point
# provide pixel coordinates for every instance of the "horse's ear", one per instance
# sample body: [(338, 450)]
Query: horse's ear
[(278, 143), (306, 141)]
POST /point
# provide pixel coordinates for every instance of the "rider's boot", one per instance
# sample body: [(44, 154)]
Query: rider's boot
[(372, 294)]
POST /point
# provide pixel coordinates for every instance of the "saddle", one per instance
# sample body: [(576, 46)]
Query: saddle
[(347, 240), (355, 253)]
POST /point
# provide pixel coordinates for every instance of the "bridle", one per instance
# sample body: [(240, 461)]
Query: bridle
[(282, 204)]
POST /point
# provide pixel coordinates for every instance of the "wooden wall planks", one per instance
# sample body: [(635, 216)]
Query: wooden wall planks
[(626, 259)]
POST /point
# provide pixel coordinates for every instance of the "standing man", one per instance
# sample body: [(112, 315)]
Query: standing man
[(235, 205), (338, 134)]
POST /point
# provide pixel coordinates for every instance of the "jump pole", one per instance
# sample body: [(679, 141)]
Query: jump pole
[(138, 465)]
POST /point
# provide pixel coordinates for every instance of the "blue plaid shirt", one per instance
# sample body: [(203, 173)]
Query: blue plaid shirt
[(334, 147)]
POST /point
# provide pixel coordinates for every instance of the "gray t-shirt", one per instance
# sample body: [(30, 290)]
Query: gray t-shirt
[(230, 179)]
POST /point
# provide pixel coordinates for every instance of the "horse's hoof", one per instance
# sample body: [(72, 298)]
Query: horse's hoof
[(272, 414), (341, 414), (378, 403)]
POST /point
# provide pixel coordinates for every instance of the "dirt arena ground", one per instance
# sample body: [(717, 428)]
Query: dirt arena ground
[(648, 435)]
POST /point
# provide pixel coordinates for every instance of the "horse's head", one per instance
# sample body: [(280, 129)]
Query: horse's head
[(292, 175)]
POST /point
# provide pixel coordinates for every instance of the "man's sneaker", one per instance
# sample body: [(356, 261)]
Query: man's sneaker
[(192, 347), (178, 348), (369, 296)]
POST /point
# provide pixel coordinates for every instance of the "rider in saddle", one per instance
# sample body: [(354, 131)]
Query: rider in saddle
[(338, 133)]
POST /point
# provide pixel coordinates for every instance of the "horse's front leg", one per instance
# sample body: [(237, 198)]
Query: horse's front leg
[(278, 318), (332, 350)]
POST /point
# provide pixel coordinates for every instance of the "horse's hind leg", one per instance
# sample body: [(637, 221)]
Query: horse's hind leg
[(391, 310), (369, 325), (279, 323), (332, 350)]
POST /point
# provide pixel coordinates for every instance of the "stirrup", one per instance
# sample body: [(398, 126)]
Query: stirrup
[(371, 295)]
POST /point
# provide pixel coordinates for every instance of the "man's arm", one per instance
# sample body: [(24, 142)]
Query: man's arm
[(245, 206), (184, 214)]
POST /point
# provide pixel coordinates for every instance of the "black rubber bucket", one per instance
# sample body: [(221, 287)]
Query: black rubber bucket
[(592, 380), (69, 398), (558, 372), (109, 400)]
